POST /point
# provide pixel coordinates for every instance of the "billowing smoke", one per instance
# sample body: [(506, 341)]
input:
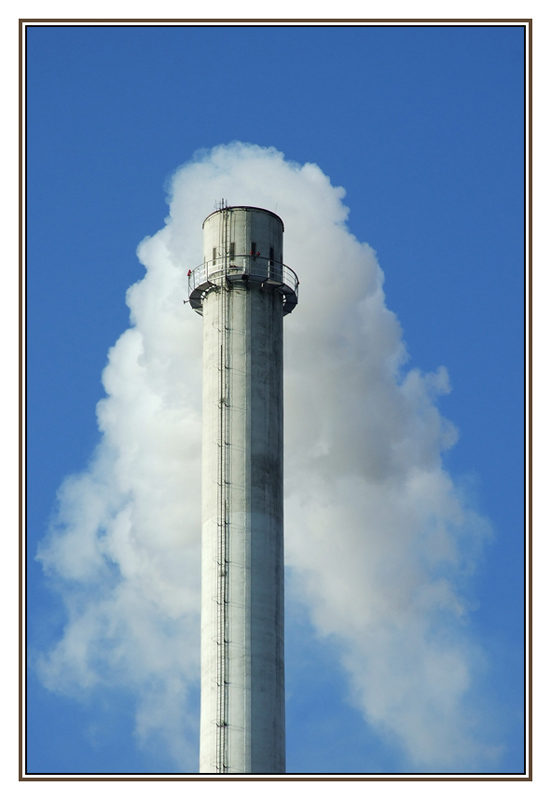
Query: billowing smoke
[(378, 537)]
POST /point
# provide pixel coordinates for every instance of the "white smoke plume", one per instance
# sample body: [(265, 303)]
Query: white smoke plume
[(378, 536)]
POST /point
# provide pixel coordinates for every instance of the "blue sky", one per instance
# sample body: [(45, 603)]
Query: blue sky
[(423, 128)]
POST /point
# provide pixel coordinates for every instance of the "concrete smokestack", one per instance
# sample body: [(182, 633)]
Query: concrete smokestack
[(243, 290)]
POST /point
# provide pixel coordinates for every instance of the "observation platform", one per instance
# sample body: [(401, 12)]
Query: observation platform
[(246, 270)]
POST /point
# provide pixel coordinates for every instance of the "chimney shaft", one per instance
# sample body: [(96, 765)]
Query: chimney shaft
[(243, 291)]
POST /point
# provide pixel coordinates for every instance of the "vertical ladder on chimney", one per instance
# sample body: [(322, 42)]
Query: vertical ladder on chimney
[(223, 511)]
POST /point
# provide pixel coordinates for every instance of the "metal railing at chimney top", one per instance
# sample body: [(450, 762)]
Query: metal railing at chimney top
[(257, 268)]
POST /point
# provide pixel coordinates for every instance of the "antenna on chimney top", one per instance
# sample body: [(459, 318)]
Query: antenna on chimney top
[(220, 205)]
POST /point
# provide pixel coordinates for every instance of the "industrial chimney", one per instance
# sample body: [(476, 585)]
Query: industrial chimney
[(243, 290)]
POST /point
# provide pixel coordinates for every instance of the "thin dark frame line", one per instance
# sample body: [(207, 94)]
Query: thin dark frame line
[(528, 24)]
